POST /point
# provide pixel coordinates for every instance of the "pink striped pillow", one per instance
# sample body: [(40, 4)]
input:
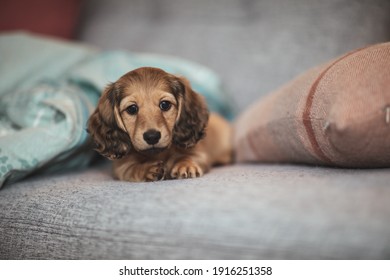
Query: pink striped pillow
[(336, 114)]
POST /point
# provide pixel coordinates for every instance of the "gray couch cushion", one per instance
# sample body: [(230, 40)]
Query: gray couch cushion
[(234, 212), (254, 45)]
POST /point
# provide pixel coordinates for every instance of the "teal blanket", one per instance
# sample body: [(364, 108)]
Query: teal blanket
[(48, 89)]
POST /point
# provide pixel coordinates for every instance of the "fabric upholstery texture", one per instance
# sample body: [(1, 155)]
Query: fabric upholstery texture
[(233, 212), (255, 46), (335, 114)]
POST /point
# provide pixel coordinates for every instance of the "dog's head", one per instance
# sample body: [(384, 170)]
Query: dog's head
[(147, 110)]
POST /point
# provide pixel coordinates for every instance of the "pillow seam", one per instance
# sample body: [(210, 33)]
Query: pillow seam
[(307, 120)]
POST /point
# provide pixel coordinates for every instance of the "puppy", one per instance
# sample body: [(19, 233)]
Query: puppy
[(153, 125)]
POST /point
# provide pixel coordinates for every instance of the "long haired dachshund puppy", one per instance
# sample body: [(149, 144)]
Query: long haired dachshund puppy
[(153, 125)]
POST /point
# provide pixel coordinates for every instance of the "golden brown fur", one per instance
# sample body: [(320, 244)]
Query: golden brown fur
[(153, 125)]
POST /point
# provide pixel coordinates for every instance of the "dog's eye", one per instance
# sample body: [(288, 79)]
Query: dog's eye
[(132, 109), (165, 105)]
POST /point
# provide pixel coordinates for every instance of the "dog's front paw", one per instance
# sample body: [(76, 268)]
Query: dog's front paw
[(155, 171), (186, 169)]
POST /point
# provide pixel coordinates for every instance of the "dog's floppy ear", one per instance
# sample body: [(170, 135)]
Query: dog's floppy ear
[(106, 127), (192, 117)]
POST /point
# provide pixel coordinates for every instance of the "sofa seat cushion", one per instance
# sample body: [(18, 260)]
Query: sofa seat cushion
[(234, 212)]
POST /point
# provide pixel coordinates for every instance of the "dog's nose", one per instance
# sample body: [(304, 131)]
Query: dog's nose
[(152, 136)]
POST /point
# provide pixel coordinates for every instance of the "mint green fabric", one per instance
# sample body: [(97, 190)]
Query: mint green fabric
[(48, 89)]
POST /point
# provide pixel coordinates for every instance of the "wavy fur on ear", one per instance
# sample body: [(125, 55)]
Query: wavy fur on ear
[(193, 114), (110, 140)]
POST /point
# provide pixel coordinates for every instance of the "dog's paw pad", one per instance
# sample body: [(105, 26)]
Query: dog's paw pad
[(184, 170), (156, 172)]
